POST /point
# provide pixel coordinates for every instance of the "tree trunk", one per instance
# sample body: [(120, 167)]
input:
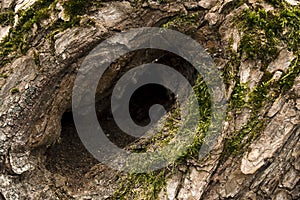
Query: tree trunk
[(254, 43)]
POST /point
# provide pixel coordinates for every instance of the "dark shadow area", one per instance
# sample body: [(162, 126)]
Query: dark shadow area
[(146, 96), (68, 156), (140, 103)]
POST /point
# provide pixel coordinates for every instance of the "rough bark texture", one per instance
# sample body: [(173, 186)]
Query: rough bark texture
[(258, 153)]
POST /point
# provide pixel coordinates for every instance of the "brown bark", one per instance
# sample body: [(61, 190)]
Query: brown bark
[(41, 156)]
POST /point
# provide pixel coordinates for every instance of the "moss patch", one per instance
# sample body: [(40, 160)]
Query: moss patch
[(238, 97), (3, 75), (148, 185), (288, 78), (14, 90), (7, 18), (263, 32), (76, 7), (20, 39), (140, 186), (183, 22)]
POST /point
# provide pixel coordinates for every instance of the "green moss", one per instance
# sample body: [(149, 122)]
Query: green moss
[(3, 76), (76, 7), (18, 39), (162, 138), (14, 90), (61, 25), (287, 80), (162, 1), (238, 97), (37, 12), (182, 21), (263, 33), (140, 186), (7, 18), (148, 186), (259, 95), (203, 98), (172, 125), (37, 59), (273, 27), (289, 20), (230, 70), (276, 3), (281, 27), (266, 91), (257, 46), (235, 144)]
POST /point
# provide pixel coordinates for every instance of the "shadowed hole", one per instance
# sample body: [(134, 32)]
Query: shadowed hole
[(69, 157)]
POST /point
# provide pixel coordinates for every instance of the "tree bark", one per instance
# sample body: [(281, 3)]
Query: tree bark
[(257, 155)]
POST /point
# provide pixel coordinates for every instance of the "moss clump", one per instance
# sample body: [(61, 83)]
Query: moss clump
[(76, 7), (148, 185), (276, 3), (7, 18), (3, 75), (280, 27), (258, 46), (260, 40), (172, 126), (266, 91), (288, 79), (182, 21), (140, 186), (230, 70), (14, 90), (18, 39), (272, 28), (235, 144), (203, 98), (238, 97)]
